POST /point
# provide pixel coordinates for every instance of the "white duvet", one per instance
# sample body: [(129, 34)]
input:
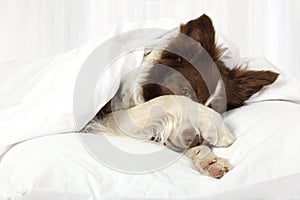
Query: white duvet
[(43, 159)]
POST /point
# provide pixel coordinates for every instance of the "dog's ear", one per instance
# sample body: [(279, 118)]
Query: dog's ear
[(245, 83), (202, 30)]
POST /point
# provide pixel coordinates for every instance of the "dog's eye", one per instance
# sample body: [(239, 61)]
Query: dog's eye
[(170, 56), (186, 92)]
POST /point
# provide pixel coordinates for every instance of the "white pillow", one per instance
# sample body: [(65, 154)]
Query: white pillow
[(60, 167)]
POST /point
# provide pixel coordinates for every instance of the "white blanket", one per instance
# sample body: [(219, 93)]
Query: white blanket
[(43, 98), (61, 94)]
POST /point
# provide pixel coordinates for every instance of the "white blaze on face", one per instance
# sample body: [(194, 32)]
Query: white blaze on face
[(153, 56), (216, 94)]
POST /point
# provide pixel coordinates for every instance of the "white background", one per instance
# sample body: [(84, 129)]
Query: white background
[(31, 29)]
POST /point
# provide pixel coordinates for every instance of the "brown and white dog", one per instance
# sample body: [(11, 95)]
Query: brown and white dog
[(177, 100)]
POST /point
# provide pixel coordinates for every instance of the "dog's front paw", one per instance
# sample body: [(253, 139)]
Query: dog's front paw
[(208, 163), (214, 130), (212, 166)]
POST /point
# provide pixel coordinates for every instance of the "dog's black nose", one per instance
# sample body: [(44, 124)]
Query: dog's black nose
[(191, 138), (188, 136)]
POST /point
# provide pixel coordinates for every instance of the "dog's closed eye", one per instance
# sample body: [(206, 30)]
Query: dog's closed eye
[(170, 56)]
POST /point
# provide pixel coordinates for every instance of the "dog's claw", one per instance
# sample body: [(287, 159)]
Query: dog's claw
[(213, 161)]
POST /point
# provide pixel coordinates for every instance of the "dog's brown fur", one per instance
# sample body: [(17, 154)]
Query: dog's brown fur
[(240, 84), (198, 80)]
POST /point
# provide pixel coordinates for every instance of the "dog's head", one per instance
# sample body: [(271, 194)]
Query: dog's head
[(191, 66)]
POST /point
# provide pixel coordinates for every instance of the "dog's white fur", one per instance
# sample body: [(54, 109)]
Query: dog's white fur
[(130, 92), (163, 120), (166, 115)]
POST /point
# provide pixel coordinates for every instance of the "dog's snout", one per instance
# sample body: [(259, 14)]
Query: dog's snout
[(189, 136)]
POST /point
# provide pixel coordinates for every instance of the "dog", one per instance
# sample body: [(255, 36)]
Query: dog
[(185, 87)]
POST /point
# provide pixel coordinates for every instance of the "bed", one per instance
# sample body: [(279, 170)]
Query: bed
[(44, 104)]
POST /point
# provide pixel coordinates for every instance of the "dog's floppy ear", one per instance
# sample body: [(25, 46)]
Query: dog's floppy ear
[(245, 83), (202, 30)]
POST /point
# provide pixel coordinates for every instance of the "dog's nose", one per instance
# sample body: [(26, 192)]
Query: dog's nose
[(191, 138), (188, 136)]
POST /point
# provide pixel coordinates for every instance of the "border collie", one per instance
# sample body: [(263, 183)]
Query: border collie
[(191, 85)]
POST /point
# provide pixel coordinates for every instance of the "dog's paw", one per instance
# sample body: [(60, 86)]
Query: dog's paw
[(207, 163), (212, 166), (214, 130)]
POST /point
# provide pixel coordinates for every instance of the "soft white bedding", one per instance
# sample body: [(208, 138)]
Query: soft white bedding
[(59, 167), (39, 163)]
